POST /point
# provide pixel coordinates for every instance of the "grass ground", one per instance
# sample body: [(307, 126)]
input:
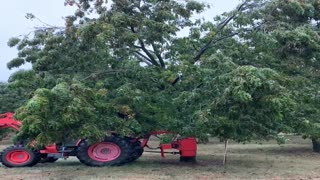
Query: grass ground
[(294, 160)]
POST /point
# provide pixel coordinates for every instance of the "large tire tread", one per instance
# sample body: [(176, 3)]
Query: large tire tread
[(136, 151), (82, 152)]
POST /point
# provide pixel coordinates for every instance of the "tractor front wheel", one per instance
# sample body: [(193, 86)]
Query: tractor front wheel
[(19, 157), (110, 152)]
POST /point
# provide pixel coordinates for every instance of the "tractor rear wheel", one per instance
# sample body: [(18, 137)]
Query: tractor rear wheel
[(136, 151), (19, 157), (110, 152)]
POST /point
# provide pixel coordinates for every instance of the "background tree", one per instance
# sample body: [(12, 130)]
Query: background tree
[(288, 42)]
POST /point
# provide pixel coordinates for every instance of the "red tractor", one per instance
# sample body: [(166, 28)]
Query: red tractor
[(113, 150)]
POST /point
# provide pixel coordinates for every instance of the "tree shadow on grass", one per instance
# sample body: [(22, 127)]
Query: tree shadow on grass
[(154, 161), (214, 161), (239, 158), (277, 150), (59, 163)]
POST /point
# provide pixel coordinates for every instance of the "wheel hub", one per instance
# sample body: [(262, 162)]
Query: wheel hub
[(18, 157), (104, 151)]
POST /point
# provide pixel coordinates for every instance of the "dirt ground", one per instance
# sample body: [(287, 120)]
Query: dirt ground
[(269, 161)]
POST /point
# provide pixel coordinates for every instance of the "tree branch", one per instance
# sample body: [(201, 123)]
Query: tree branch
[(157, 53), (221, 26), (143, 58), (137, 46), (226, 21), (145, 50), (213, 41), (211, 44), (224, 37)]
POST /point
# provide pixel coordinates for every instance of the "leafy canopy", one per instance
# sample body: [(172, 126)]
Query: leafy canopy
[(119, 65)]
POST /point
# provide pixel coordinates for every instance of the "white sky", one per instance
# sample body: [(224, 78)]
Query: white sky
[(14, 23)]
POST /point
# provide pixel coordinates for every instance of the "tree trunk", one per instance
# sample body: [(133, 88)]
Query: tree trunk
[(316, 144), (226, 142)]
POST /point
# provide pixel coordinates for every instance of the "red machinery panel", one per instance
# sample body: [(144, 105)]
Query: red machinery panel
[(187, 147)]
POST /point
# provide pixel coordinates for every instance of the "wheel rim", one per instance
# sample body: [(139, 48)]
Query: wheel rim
[(104, 151), (18, 157)]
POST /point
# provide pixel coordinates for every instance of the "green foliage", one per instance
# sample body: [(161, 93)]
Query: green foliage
[(16, 62), (68, 112), (289, 44), (13, 42), (248, 75), (251, 105)]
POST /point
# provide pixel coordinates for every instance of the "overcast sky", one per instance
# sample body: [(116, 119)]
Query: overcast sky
[(13, 22)]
